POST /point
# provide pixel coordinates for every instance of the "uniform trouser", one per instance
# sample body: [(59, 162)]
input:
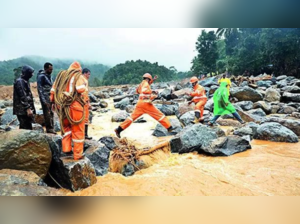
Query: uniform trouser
[(74, 133), (146, 108), (87, 114), (199, 108), (48, 115), (25, 122)]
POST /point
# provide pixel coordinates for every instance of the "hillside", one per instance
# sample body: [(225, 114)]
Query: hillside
[(37, 62), (130, 72)]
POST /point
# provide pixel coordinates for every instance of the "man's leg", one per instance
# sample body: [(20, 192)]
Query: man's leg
[(238, 117), (215, 118), (77, 133), (48, 115), (25, 122), (67, 137), (158, 115)]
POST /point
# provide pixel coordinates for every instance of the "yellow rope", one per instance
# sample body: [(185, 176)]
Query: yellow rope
[(63, 99)]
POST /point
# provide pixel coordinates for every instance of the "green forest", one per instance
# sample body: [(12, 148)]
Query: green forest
[(248, 51), (131, 73), (11, 68)]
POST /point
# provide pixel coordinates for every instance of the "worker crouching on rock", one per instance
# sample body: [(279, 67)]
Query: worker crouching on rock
[(67, 94), (199, 98), (145, 106), (23, 104)]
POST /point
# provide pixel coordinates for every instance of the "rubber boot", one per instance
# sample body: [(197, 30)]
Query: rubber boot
[(86, 133), (118, 131)]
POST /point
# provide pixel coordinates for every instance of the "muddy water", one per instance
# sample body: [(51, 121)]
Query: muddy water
[(267, 169)]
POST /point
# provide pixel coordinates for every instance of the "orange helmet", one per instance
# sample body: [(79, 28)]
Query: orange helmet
[(148, 76), (194, 79), (75, 65)]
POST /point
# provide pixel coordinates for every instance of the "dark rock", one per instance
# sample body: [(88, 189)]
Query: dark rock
[(161, 131), (287, 110), (167, 110), (2, 106), (266, 107), (275, 132), (266, 84), (29, 190), (98, 154), (38, 128), (291, 89), (166, 94), (213, 89), (291, 97), (9, 118), (227, 146), (253, 126), (244, 83), (246, 94), (180, 94), (257, 112), (247, 117), (93, 98), (188, 118), (116, 92), (193, 138), (178, 87), (17, 177), (120, 98), (272, 95), (103, 104), (209, 82), (123, 103), (243, 131), (282, 83), (8, 103), (184, 108), (282, 77), (101, 95), (128, 170), (57, 126), (120, 117), (109, 142), (140, 120), (25, 150), (245, 105), (227, 122), (296, 115), (291, 124), (129, 109), (209, 105)]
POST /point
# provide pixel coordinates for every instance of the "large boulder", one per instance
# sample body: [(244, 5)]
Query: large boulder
[(282, 77), (180, 93), (9, 118), (291, 89), (244, 131), (166, 94), (275, 132), (287, 110), (120, 98), (246, 94), (39, 118), (161, 131), (109, 142), (129, 109), (25, 150), (166, 109), (29, 190), (93, 98), (123, 103), (120, 117), (18, 177), (98, 154), (188, 118), (291, 124), (101, 95), (245, 105), (184, 108), (194, 138), (227, 146), (272, 95), (208, 82), (266, 84), (291, 97), (266, 107), (209, 105)]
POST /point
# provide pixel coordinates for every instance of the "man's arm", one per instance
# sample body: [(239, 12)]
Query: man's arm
[(40, 83)]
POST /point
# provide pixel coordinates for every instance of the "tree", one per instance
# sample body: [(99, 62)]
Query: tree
[(206, 59), (17, 73)]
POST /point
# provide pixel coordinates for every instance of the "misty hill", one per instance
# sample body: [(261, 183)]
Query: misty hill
[(37, 62), (131, 72)]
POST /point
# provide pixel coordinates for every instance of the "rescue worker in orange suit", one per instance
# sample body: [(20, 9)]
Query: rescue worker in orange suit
[(145, 106), (199, 98), (73, 132), (86, 74)]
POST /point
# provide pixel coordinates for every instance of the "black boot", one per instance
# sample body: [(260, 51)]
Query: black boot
[(118, 131), (86, 133)]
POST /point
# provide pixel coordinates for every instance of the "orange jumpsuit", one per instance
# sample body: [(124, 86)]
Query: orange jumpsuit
[(74, 132), (144, 107), (199, 99)]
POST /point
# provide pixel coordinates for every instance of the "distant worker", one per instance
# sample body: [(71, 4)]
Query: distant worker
[(86, 74), (23, 104), (199, 98), (222, 106), (67, 94), (145, 106), (227, 80), (44, 85)]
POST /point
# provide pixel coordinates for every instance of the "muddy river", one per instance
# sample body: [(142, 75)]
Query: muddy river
[(267, 169)]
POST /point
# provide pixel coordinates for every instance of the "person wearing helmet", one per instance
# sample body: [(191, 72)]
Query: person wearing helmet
[(23, 104), (145, 106), (199, 98)]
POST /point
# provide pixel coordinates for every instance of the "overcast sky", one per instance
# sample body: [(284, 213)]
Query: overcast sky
[(169, 47)]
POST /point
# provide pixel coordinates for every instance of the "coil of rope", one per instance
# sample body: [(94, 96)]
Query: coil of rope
[(63, 99)]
